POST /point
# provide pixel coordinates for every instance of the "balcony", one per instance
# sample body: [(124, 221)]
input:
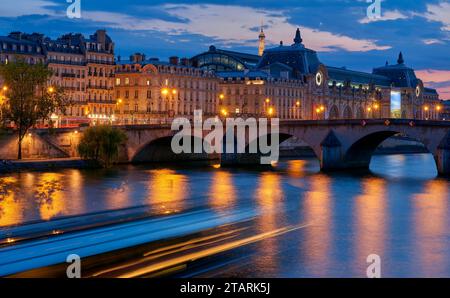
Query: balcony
[(99, 87), (68, 75), (54, 61), (92, 61)]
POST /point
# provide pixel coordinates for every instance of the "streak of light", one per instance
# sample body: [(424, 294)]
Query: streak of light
[(176, 248), (209, 252)]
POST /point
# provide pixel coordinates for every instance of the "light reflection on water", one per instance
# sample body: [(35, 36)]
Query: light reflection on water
[(400, 211)]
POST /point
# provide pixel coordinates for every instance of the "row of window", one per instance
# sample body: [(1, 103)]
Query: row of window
[(21, 48), (207, 85)]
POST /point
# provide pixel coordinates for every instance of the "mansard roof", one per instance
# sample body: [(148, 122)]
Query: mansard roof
[(224, 60), (357, 77), (301, 59), (252, 74), (400, 74)]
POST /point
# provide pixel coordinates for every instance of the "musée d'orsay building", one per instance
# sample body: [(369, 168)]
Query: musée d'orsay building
[(287, 81), (291, 82)]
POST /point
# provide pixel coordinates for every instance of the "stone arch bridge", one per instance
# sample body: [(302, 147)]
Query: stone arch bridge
[(338, 144)]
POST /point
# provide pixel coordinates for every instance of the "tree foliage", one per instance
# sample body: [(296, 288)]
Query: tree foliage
[(28, 98), (101, 144)]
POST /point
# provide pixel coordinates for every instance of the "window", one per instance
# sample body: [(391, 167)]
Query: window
[(117, 81), (127, 81), (149, 94), (136, 94)]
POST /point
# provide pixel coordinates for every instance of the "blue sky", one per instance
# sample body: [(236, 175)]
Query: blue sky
[(338, 29)]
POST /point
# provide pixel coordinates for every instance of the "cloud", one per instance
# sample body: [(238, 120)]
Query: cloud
[(390, 15), (438, 79), (432, 41), (439, 13), (17, 8), (232, 25)]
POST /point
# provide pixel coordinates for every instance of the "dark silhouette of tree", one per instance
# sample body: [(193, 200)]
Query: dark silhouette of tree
[(101, 144), (28, 98)]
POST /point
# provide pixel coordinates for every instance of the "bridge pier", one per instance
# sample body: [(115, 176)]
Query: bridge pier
[(331, 157), (442, 156)]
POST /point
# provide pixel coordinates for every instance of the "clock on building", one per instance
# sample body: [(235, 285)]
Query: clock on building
[(319, 78), (418, 91)]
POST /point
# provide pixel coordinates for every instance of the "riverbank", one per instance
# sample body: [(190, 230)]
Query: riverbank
[(8, 166), (12, 166)]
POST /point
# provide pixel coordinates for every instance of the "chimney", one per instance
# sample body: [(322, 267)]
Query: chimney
[(118, 58), (137, 58), (16, 35), (174, 60), (101, 36), (185, 61)]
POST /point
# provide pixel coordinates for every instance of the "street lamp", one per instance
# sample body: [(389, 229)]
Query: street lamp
[(50, 89), (165, 91)]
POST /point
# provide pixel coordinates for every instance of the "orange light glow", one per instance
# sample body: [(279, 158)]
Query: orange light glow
[(224, 112)]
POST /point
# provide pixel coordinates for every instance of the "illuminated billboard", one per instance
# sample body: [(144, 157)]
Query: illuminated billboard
[(396, 104)]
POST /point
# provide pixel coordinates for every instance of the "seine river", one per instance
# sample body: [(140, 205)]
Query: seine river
[(400, 211)]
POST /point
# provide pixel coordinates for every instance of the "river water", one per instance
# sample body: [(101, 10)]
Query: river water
[(399, 211)]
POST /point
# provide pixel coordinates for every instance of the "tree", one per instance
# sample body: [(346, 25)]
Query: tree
[(28, 97), (101, 144)]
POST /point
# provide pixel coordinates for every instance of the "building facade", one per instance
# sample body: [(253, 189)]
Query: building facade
[(83, 67), (287, 81), (151, 91), (291, 83)]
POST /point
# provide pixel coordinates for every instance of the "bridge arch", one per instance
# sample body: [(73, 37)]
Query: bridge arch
[(348, 114), (360, 152), (334, 113), (360, 113), (160, 150)]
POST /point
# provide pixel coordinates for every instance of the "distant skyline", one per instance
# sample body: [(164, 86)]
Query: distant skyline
[(338, 29)]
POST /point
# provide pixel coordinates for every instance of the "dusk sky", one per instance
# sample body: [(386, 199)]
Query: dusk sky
[(338, 29)]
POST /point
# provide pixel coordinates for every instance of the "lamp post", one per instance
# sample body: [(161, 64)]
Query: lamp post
[(297, 109), (169, 93), (320, 110), (2, 100), (266, 104), (376, 108), (118, 104), (426, 110)]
